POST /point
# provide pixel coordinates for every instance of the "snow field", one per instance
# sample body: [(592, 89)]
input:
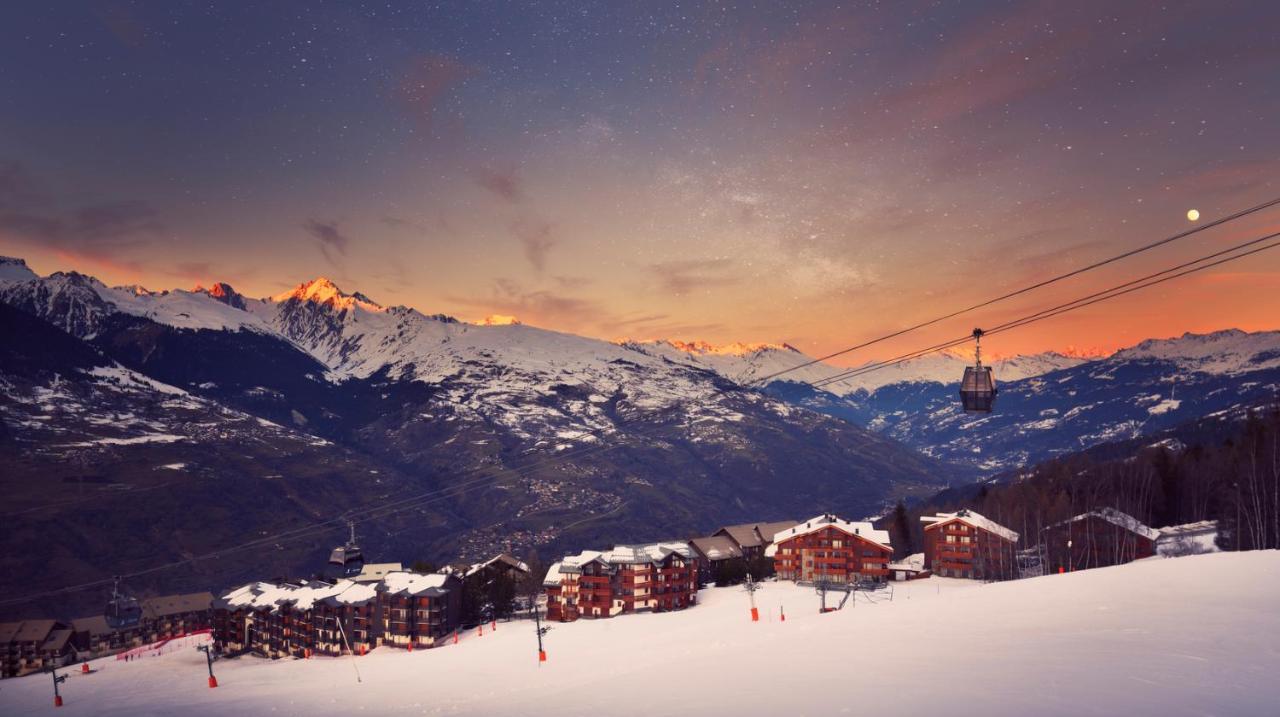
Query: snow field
[(1184, 636)]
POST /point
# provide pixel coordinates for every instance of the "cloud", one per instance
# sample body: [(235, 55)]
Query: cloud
[(332, 241), (681, 276), (97, 232), (504, 185), (536, 238)]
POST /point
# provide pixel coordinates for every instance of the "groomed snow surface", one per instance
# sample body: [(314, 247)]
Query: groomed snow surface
[(1196, 635)]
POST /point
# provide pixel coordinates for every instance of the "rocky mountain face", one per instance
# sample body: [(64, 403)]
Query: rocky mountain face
[(193, 420)]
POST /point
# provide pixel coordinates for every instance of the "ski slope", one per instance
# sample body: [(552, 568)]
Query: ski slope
[(1195, 635)]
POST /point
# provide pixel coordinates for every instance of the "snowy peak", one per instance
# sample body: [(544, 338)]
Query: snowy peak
[(1230, 351), (499, 320), (222, 292), (13, 269), (325, 292)]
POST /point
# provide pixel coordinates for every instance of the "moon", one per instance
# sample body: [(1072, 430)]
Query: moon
[(1193, 214)]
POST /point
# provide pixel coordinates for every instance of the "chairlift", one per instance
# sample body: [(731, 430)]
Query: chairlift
[(122, 611), (978, 386)]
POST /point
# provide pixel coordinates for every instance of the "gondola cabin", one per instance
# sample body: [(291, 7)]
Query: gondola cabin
[(978, 386)]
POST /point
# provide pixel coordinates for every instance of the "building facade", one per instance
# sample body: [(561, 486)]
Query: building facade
[(828, 548), (33, 645), (163, 617), (966, 544), (343, 617), (1097, 539), (657, 577)]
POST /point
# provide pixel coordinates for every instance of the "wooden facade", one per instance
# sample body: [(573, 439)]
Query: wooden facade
[(967, 545), (321, 618), (828, 548), (33, 645), (658, 577), (1097, 539)]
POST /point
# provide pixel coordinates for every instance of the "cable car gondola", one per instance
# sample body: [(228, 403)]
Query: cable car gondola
[(122, 611), (978, 387), (348, 560)]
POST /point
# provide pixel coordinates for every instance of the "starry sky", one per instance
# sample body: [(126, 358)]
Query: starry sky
[(814, 173)]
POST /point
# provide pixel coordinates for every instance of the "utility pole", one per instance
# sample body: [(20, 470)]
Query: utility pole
[(537, 624), (57, 680), (209, 658)]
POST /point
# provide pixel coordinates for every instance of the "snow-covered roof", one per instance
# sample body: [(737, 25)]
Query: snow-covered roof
[(413, 583), (913, 562), (373, 572), (574, 563), (650, 553), (972, 518), (716, 547), (1118, 519), (301, 597), (1199, 527), (861, 529), (499, 558), (553, 576)]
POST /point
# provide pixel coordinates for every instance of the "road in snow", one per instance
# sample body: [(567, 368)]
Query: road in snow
[(1196, 635)]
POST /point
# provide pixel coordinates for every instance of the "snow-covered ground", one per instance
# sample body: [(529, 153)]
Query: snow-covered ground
[(1195, 635)]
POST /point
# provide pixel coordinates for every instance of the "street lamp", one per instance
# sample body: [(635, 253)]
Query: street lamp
[(209, 658), (57, 680)]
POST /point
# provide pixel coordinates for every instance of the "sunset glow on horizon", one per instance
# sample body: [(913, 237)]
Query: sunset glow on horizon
[(808, 175)]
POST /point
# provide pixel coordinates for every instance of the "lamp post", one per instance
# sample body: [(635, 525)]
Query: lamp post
[(537, 623), (57, 680), (209, 658)]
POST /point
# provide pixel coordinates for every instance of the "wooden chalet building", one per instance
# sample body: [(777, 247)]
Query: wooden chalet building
[(418, 610), (33, 645), (323, 618), (1097, 539), (754, 538), (828, 548), (966, 544), (630, 578), (163, 617), (713, 552)]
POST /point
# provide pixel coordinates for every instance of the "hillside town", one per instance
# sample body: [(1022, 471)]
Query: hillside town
[(356, 607)]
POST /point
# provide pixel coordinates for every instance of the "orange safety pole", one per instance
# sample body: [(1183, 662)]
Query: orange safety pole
[(455, 635)]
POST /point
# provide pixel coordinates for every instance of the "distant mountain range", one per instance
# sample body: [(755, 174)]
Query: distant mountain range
[(144, 426), (1049, 404)]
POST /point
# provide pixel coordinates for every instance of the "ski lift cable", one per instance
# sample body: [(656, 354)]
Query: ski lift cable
[(388, 508), (1038, 285)]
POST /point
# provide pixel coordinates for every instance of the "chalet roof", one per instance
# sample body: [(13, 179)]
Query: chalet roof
[(407, 583), (1202, 527), (716, 547), (8, 630), (373, 572), (1116, 518), (647, 553), (972, 518), (272, 596), (94, 625), (34, 630), (553, 576), (57, 640), (755, 535), (573, 563), (499, 559), (165, 605), (863, 530), (911, 563)]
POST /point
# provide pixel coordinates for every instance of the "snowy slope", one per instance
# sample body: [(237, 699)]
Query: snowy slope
[(1186, 636)]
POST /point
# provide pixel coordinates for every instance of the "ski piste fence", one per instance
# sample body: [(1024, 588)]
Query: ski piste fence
[(185, 641)]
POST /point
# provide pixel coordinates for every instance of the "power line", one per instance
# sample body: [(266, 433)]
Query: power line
[(1018, 292)]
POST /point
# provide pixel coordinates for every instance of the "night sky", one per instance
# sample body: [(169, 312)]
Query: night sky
[(814, 173)]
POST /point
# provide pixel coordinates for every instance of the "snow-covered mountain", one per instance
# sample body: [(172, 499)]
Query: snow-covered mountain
[(748, 363), (468, 413)]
